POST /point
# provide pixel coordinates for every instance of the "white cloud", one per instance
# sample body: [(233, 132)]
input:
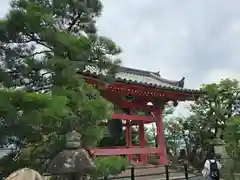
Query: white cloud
[(218, 74), (4, 7), (235, 26)]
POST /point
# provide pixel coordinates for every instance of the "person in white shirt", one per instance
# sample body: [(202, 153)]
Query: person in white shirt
[(211, 168)]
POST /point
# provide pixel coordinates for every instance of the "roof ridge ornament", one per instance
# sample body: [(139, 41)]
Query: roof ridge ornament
[(157, 73), (181, 82)]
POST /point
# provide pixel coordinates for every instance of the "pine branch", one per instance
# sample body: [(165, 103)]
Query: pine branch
[(74, 21)]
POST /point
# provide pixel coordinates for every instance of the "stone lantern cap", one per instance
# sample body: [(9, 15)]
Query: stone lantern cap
[(74, 159), (218, 142)]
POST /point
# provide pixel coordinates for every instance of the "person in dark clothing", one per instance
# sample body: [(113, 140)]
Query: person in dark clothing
[(211, 168)]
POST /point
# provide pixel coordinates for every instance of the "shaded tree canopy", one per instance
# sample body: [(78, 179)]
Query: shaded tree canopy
[(218, 105), (210, 114)]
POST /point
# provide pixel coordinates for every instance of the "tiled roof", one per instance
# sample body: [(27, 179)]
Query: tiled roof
[(142, 77), (147, 77)]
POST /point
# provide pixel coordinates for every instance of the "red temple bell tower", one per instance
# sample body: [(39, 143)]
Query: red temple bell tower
[(134, 90)]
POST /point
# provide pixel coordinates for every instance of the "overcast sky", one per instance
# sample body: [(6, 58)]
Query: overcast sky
[(198, 39)]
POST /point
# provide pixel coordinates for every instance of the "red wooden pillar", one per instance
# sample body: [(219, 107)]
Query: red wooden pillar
[(143, 157), (129, 137), (160, 137)]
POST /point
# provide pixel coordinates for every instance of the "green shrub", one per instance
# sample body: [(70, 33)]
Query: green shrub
[(110, 165)]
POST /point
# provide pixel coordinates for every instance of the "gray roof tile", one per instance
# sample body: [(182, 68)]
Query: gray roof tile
[(142, 77)]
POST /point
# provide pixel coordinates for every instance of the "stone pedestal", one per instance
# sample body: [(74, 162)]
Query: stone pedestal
[(237, 176), (219, 148), (223, 157), (73, 161)]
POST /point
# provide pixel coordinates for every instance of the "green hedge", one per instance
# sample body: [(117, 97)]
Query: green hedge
[(110, 165)]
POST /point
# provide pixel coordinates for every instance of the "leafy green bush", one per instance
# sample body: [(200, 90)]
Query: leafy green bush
[(110, 165), (232, 140)]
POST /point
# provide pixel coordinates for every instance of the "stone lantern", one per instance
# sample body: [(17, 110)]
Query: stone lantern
[(220, 148), (222, 156), (73, 161)]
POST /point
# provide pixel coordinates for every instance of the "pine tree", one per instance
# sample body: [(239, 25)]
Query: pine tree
[(46, 45)]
